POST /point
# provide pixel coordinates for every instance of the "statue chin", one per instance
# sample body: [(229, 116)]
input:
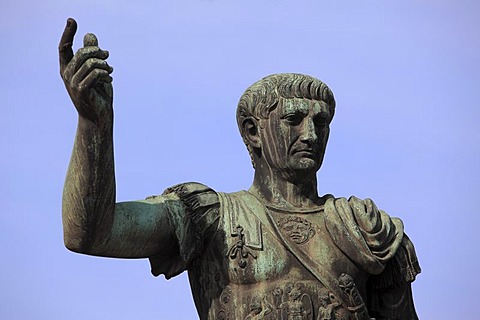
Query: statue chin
[(305, 164)]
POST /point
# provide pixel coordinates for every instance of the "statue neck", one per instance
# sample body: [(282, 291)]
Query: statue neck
[(276, 190)]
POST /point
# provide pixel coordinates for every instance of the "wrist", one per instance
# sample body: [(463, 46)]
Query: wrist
[(96, 124)]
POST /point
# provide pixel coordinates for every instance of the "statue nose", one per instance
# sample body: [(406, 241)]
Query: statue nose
[(308, 131)]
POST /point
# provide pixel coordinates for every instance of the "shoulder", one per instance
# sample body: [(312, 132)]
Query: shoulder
[(383, 236), (185, 188), (194, 195), (200, 205), (352, 202), (363, 212), (194, 220), (374, 235)]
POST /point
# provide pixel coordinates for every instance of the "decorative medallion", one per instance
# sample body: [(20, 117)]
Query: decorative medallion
[(297, 228)]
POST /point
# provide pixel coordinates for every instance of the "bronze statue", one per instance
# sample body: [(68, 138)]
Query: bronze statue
[(276, 251)]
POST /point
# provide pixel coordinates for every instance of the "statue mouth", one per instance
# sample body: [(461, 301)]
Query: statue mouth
[(305, 152)]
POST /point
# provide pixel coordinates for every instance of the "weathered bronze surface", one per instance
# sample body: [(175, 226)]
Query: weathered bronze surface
[(276, 251)]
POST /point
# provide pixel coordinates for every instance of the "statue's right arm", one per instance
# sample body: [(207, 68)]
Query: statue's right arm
[(93, 223)]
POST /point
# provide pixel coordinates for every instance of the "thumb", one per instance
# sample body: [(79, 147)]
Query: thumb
[(90, 40)]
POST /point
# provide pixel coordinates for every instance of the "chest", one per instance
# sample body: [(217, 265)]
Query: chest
[(272, 266), (278, 246)]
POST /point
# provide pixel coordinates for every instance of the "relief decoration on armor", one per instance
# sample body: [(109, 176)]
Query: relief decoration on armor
[(240, 249), (297, 228), (299, 305), (293, 301), (259, 308), (225, 298), (329, 307), (289, 303), (355, 302)]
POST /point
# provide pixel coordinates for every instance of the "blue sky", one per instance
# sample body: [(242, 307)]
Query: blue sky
[(405, 77)]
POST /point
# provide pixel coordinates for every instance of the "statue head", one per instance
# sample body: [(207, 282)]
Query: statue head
[(288, 91)]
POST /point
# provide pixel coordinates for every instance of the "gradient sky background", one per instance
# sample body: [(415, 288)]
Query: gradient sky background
[(406, 133)]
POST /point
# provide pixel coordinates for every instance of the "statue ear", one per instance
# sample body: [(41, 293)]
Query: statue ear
[(251, 132)]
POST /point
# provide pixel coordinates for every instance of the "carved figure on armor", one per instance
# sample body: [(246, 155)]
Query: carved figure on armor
[(299, 305), (328, 306), (356, 305), (259, 308)]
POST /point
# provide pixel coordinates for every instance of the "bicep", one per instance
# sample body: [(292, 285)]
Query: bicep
[(141, 229)]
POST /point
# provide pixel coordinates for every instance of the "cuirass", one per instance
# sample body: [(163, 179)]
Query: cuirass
[(265, 264)]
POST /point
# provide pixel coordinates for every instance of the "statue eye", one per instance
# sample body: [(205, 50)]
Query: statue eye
[(321, 121), (294, 118)]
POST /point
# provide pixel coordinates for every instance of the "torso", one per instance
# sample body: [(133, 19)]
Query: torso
[(249, 272)]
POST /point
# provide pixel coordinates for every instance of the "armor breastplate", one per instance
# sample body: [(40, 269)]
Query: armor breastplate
[(264, 264)]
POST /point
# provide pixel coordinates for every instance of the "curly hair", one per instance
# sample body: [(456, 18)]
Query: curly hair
[(263, 96)]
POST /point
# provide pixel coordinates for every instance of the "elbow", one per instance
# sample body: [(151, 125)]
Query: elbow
[(75, 234), (77, 241), (74, 244)]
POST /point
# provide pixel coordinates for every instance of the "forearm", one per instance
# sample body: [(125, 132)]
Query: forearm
[(89, 192)]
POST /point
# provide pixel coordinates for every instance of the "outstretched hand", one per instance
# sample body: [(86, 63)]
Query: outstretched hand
[(86, 75)]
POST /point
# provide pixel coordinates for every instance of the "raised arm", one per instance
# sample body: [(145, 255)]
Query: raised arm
[(93, 223)]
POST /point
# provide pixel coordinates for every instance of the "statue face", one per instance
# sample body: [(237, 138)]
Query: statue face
[(294, 137)]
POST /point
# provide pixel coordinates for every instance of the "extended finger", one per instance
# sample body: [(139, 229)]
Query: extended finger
[(82, 55), (65, 46), (88, 66)]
